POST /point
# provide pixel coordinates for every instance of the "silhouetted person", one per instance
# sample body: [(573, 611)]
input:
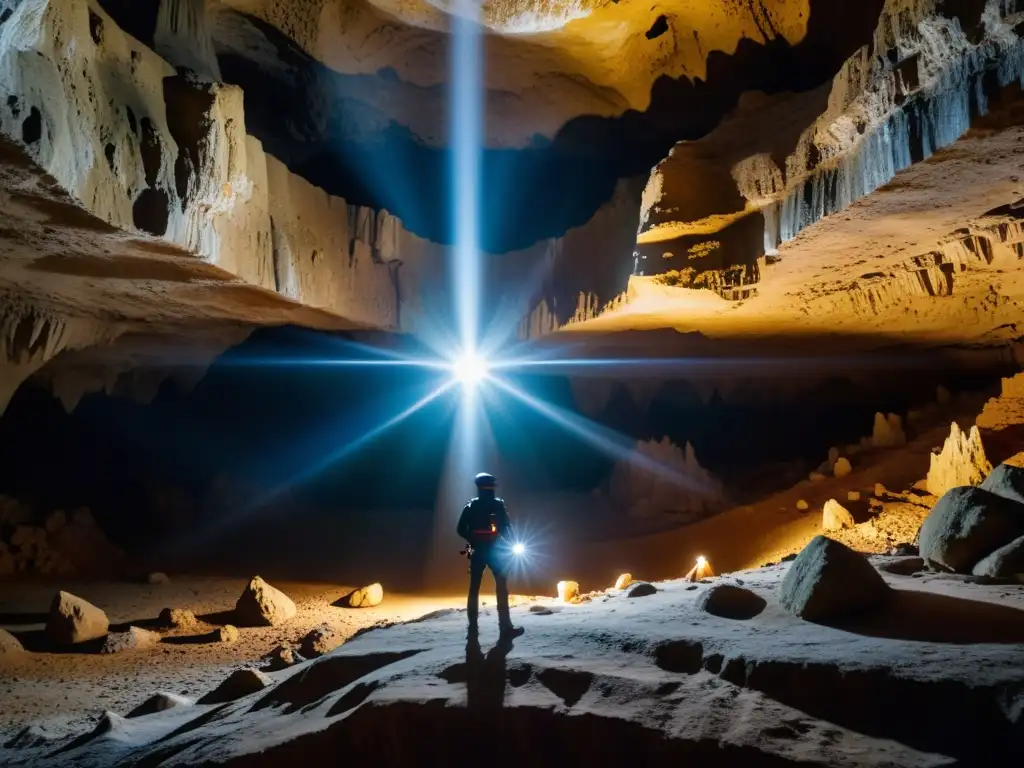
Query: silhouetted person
[(485, 525)]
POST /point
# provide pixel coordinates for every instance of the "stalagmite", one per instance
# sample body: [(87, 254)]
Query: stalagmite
[(962, 461)]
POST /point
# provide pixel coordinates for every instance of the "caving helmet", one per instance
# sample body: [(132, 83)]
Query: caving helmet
[(485, 481)]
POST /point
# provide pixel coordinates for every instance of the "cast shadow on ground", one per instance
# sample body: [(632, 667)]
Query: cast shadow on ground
[(485, 677), (933, 618)]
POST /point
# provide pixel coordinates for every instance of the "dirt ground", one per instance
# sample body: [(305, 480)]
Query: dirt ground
[(63, 692)]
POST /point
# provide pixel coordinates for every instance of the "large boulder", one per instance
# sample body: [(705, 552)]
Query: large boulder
[(1004, 562), (1007, 481), (9, 644), (836, 517), (829, 581), (261, 605), (73, 620), (731, 602), (966, 525), (364, 597)]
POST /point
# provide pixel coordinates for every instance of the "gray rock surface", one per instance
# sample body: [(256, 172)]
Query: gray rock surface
[(966, 525), (828, 580)]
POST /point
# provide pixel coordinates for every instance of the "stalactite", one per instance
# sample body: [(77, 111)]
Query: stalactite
[(183, 37)]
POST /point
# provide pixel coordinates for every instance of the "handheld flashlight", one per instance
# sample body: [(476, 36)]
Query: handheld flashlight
[(519, 548)]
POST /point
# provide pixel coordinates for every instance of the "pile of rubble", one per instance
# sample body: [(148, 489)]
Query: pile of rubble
[(60, 543)]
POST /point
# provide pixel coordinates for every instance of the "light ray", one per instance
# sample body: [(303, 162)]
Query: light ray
[(605, 440)]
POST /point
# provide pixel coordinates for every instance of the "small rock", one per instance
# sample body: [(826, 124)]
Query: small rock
[(640, 589), (240, 683), (730, 602), (73, 620), (159, 702), (9, 644), (842, 468), (261, 605), (966, 525), (226, 634), (1005, 562), (624, 581), (829, 580), (880, 490), (836, 517), (853, 496), (567, 591), (802, 505), (282, 657), (365, 597), (541, 610), (177, 618), (902, 566), (816, 477), (134, 638), (320, 641), (157, 578)]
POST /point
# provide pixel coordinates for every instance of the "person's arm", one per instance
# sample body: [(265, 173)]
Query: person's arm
[(506, 521), (463, 527)]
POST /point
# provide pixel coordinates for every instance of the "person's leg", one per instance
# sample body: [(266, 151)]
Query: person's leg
[(501, 591), (477, 564)]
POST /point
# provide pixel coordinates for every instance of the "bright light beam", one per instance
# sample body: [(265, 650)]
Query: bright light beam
[(470, 370), (466, 121), (590, 433)]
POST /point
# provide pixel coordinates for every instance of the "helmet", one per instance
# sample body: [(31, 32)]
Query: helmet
[(485, 480)]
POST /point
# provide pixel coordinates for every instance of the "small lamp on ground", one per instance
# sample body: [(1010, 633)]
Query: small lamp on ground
[(700, 570)]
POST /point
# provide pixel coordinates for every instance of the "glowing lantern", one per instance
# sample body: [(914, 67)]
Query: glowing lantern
[(624, 581), (568, 591), (701, 570)]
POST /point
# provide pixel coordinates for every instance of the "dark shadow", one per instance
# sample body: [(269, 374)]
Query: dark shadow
[(209, 637), (932, 618), (22, 618), (218, 618), (37, 641), (486, 676)]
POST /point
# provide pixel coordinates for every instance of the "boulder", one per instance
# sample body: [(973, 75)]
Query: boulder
[(568, 591), (731, 602), (640, 589), (9, 644), (829, 581), (960, 462), (842, 467), (1007, 481), (967, 524), (226, 634), (281, 657), (320, 641), (261, 605), (133, 639), (177, 618), (159, 702), (157, 579), (836, 517), (802, 505), (1005, 562), (364, 597), (624, 581), (239, 683), (73, 620)]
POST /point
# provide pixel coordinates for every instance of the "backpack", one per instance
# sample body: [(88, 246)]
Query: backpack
[(484, 519)]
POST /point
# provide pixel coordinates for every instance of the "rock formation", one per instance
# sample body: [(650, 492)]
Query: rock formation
[(260, 604), (661, 479), (829, 581), (73, 620), (966, 525), (1005, 562), (835, 517), (961, 462), (1007, 409)]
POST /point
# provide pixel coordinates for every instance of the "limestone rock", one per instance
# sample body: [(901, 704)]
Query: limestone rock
[(157, 579), (640, 589), (962, 461), (262, 605), (226, 634), (365, 597), (836, 517), (320, 641), (802, 505), (177, 618), (642, 485), (9, 644), (133, 639), (624, 581), (240, 683), (842, 467), (1007, 481), (568, 591), (159, 702), (887, 431), (73, 620), (281, 657), (829, 581), (966, 525), (731, 602), (1006, 561)]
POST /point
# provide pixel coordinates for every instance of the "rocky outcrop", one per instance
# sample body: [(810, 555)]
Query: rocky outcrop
[(829, 581), (962, 461), (662, 479), (1007, 410), (260, 605), (966, 525), (73, 620)]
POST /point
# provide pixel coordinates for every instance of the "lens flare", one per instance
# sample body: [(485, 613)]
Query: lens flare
[(469, 369), (519, 549)]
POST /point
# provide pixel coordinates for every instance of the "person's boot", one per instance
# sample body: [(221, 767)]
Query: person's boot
[(508, 632)]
